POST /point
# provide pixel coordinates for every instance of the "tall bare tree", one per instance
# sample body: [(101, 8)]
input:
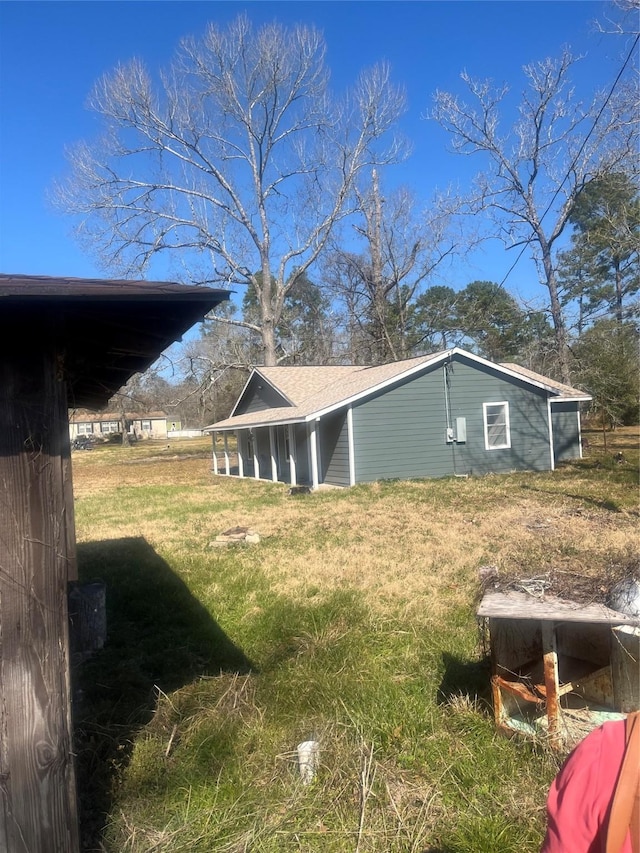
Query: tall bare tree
[(238, 164), (400, 250), (536, 170)]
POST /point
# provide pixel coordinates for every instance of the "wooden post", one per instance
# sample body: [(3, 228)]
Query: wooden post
[(313, 441), (550, 663), (227, 464), (292, 456), (272, 450), (215, 455), (38, 810), (240, 456)]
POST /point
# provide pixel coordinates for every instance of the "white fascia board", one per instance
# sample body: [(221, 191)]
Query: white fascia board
[(584, 399), (256, 371), (241, 395), (373, 389), (438, 358), (507, 372), (253, 425)]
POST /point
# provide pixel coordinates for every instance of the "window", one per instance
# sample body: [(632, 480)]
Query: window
[(110, 426), (145, 426), (497, 433), (85, 429)]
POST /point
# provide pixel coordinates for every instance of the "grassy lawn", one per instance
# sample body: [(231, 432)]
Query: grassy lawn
[(351, 622)]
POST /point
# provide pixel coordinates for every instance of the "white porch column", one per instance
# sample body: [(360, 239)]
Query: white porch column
[(215, 455), (227, 466), (256, 460), (352, 452), (292, 456), (313, 443), (579, 431), (550, 422), (274, 461), (240, 459)]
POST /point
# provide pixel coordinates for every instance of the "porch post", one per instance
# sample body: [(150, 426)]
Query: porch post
[(313, 441), (240, 459), (256, 460), (350, 442), (579, 431), (292, 456), (215, 455), (274, 461), (38, 805), (550, 422), (227, 466)]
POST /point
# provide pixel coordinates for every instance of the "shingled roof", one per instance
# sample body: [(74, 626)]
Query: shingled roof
[(314, 391)]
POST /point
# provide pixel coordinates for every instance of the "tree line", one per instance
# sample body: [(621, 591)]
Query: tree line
[(240, 168)]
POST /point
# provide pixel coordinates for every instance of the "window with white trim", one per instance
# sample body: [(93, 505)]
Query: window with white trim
[(145, 426), (110, 426), (497, 432), (85, 429)]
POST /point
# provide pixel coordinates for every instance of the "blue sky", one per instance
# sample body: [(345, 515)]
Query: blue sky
[(51, 53)]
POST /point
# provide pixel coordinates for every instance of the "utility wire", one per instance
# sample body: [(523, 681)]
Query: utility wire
[(575, 159)]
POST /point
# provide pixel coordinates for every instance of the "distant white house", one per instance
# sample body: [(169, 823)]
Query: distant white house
[(102, 424)]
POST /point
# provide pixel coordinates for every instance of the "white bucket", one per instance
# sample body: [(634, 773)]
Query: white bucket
[(308, 754)]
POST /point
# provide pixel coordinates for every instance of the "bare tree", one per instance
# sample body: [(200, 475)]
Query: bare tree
[(536, 170), (400, 252), (240, 163)]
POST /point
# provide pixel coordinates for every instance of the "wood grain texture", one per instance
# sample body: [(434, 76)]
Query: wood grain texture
[(37, 785)]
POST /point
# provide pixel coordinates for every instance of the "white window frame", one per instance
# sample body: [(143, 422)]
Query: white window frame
[(145, 425), (107, 427), (85, 429), (507, 424)]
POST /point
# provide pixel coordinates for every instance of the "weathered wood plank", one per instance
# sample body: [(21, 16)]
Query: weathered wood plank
[(37, 784), (520, 605)]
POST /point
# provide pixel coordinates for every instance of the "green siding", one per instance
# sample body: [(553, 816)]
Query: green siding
[(401, 432), (263, 447), (566, 430), (303, 463), (259, 396), (334, 450), (470, 387)]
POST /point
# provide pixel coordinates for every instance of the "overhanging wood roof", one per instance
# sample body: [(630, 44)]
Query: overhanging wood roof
[(316, 391), (104, 330)]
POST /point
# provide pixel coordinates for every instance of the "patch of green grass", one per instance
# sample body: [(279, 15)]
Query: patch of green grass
[(216, 668)]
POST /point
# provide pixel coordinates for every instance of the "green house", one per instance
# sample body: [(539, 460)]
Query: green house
[(448, 413)]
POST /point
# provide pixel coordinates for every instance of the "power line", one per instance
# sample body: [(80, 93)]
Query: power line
[(575, 159)]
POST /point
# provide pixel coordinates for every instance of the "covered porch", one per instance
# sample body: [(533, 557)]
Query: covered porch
[(299, 453)]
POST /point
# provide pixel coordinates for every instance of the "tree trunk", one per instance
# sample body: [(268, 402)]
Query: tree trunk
[(267, 298), (618, 297), (559, 329)]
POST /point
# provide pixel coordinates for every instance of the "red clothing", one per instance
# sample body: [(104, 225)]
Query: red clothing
[(580, 796)]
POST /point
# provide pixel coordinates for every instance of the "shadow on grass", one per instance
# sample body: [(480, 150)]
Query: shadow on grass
[(608, 505), (159, 638), (465, 678)]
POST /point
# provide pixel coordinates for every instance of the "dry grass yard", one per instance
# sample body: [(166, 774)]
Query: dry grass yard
[(352, 621)]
